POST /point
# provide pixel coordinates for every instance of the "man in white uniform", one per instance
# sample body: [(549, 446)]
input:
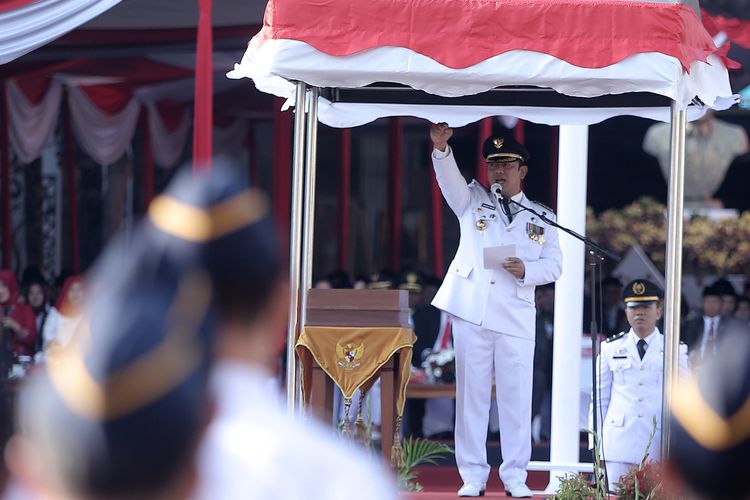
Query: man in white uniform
[(630, 371), (493, 309)]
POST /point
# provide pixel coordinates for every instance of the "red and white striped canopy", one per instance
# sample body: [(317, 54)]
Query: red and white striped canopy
[(581, 48)]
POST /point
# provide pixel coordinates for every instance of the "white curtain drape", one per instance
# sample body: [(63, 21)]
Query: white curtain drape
[(29, 27), (32, 125), (104, 137), (230, 141), (166, 145)]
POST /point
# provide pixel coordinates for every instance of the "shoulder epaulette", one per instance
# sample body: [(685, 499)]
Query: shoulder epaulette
[(618, 336), (543, 206)]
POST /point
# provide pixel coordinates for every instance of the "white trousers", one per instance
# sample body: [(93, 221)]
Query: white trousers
[(480, 355)]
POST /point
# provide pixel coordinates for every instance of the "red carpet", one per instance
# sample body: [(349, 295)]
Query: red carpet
[(443, 482)]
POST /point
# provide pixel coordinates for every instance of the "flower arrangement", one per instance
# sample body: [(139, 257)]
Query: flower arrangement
[(642, 222), (440, 366), (642, 482), (710, 246)]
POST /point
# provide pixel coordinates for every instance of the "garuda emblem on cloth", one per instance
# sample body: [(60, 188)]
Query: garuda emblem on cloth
[(348, 356)]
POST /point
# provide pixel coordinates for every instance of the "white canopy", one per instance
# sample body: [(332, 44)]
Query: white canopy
[(598, 48)]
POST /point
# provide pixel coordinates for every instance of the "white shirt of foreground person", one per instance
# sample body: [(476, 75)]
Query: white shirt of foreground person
[(494, 321), (630, 397), (254, 450)]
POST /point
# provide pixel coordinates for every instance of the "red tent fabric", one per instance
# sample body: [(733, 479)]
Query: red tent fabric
[(458, 37)]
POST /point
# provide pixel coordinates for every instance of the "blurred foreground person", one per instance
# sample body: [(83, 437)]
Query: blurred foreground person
[(118, 410), (710, 431), (253, 448)]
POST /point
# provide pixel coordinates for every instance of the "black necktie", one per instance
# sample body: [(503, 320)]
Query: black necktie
[(641, 348), (506, 209)]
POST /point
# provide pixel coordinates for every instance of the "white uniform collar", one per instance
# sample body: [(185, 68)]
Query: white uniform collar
[(651, 336), (518, 197)]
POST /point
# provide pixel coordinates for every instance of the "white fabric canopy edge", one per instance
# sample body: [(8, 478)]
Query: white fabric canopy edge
[(347, 115), (274, 64)]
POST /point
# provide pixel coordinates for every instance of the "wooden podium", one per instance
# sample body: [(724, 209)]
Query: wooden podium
[(350, 338)]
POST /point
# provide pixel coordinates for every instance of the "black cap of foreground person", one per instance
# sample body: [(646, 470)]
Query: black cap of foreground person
[(119, 413), (710, 431), (232, 225)]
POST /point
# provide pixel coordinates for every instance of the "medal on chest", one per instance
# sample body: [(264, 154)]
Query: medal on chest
[(484, 219), (535, 232)]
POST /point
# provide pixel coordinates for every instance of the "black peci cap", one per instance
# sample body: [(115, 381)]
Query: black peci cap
[(231, 225)]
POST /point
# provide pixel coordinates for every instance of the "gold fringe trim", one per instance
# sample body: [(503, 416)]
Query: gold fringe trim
[(346, 431), (397, 452), (360, 429)]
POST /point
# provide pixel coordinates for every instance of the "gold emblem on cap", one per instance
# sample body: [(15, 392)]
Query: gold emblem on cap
[(498, 142), (639, 288)]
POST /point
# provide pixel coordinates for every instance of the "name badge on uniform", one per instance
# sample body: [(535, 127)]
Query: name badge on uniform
[(619, 357), (535, 233)]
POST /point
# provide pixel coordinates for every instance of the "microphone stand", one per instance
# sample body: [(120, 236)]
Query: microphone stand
[(596, 255)]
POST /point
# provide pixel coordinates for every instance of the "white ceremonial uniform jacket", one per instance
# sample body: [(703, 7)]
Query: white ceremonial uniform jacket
[(253, 449), (494, 298), (630, 395)]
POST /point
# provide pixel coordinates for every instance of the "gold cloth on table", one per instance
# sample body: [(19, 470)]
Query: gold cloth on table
[(353, 357)]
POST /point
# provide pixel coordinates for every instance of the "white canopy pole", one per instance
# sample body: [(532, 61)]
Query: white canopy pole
[(308, 223), (673, 268), (566, 357), (295, 227)]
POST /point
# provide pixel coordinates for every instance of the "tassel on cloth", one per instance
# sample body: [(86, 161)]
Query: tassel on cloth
[(345, 429), (360, 429), (397, 452)]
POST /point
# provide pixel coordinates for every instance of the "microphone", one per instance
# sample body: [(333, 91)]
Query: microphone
[(497, 190)]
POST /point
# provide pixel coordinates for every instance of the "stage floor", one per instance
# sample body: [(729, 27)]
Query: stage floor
[(440, 482)]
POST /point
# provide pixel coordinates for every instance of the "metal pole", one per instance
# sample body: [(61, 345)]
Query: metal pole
[(308, 223), (673, 268), (295, 226)]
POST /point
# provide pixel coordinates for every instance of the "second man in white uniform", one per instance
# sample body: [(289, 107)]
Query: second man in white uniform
[(629, 383)]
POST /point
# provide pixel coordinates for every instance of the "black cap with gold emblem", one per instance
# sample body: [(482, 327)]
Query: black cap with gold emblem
[(410, 280), (710, 429), (504, 149), (640, 292)]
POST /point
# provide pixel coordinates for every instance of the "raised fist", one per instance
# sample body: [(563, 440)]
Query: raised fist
[(440, 134)]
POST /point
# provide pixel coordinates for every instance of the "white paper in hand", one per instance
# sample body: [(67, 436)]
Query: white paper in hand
[(494, 257)]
